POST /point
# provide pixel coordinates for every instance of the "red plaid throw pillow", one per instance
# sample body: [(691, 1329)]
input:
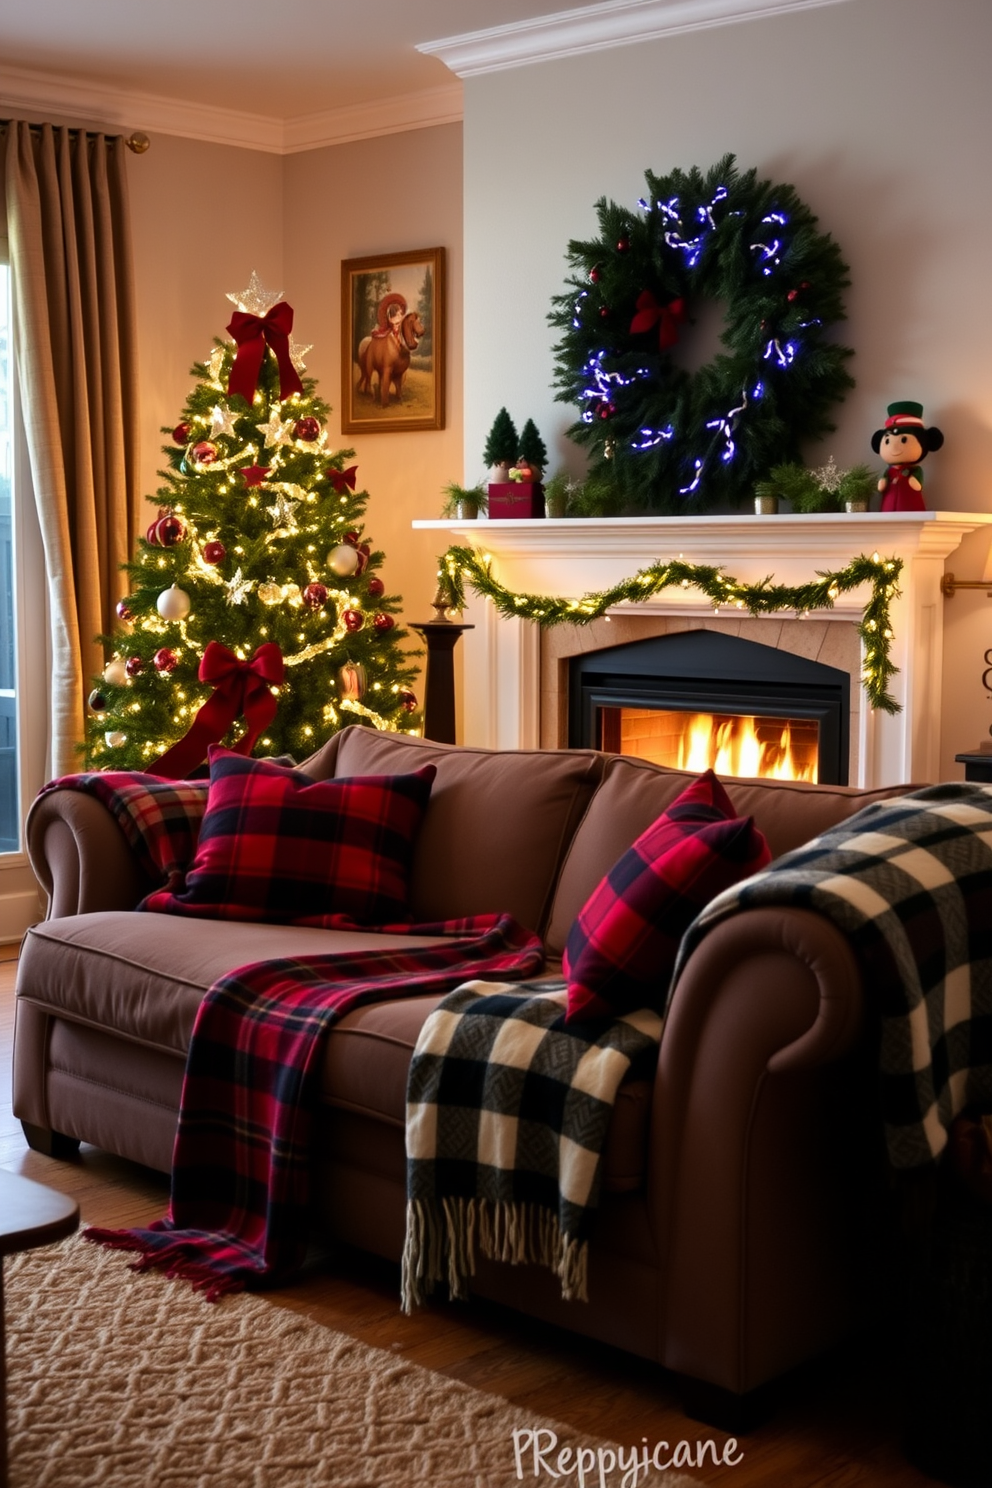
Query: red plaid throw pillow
[(621, 949), (279, 847)]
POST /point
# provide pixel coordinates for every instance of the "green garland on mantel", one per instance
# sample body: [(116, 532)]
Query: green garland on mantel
[(460, 566)]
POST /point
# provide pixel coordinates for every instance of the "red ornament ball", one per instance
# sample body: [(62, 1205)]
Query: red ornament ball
[(353, 619), (151, 535), (623, 245), (306, 429), (204, 453), (169, 530), (604, 312), (133, 666), (165, 660), (181, 434), (376, 587), (383, 622), (214, 552), (124, 611), (315, 596), (595, 274), (408, 699)]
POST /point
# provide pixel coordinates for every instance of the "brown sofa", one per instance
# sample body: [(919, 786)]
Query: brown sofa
[(729, 1224)]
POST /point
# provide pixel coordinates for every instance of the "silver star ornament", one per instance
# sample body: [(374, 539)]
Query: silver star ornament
[(256, 299)]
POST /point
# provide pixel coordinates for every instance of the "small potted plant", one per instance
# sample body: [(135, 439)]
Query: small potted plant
[(501, 448), (559, 493), (464, 502)]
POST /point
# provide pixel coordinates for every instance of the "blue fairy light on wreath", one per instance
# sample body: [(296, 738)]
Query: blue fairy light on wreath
[(659, 437)]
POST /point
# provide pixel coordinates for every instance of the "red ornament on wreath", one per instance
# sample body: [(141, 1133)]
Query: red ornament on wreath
[(214, 552), (181, 433), (623, 246), (353, 619), (595, 274), (315, 596), (383, 622), (169, 531), (165, 660), (306, 429), (205, 453), (133, 666), (376, 588)]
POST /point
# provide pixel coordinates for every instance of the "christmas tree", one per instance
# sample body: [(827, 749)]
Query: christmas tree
[(258, 542)]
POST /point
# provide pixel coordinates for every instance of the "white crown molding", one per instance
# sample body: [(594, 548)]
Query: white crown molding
[(67, 100), (382, 116), (594, 28)]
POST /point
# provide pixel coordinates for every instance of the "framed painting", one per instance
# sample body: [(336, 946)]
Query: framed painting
[(392, 342)]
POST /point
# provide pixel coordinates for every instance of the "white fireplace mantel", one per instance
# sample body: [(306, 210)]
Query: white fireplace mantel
[(573, 557)]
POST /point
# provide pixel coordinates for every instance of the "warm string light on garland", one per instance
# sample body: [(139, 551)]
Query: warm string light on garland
[(460, 566)]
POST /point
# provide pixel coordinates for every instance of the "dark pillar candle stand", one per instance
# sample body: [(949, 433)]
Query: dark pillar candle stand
[(439, 692)]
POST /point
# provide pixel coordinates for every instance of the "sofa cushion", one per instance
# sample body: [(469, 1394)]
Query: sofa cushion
[(621, 950), (279, 847), (141, 979), (634, 793), (498, 824)]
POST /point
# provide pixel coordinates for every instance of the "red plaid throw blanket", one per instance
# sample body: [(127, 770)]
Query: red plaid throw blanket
[(240, 1173)]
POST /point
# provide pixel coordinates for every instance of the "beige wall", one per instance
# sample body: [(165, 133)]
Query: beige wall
[(879, 112), (397, 192)]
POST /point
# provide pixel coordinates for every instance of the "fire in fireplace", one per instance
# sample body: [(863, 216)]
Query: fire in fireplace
[(702, 699)]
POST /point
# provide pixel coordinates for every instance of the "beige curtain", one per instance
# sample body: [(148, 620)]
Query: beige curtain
[(70, 255)]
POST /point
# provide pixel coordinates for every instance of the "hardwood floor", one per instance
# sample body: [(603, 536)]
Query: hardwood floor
[(836, 1425)]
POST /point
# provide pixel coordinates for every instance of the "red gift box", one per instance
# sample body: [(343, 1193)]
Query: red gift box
[(515, 499)]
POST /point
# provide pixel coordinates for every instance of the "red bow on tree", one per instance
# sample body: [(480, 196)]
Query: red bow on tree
[(252, 332), (666, 317), (239, 687), (342, 480)]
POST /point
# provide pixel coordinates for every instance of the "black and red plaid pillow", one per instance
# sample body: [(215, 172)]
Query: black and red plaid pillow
[(279, 847), (622, 947)]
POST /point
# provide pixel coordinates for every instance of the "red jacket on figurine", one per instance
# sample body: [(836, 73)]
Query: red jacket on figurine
[(904, 442)]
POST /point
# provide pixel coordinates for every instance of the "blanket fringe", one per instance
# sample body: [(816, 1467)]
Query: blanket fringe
[(441, 1243), (170, 1260)]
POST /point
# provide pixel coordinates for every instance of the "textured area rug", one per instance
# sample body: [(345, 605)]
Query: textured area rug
[(124, 1381)]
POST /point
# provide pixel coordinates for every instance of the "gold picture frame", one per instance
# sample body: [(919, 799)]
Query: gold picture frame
[(392, 342)]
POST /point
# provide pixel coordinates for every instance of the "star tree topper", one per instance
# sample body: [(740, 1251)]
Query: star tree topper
[(256, 299)]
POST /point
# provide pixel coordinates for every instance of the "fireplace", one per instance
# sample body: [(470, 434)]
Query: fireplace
[(699, 699)]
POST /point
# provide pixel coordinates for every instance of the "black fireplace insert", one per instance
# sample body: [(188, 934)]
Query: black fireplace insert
[(653, 697)]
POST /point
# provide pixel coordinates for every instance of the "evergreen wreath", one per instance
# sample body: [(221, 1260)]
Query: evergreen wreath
[(662, 439)]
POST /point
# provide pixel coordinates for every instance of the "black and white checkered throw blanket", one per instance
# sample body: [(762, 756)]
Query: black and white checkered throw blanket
[(909, 883), (507, 1113)]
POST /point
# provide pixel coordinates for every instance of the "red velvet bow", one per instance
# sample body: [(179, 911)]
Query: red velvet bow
[(239, 687), (665, 317), (342, 479), (251, 332)]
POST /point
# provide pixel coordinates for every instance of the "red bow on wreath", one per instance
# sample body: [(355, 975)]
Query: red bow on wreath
[(342, 480), (252, 332), (239, 687), (666, 317)]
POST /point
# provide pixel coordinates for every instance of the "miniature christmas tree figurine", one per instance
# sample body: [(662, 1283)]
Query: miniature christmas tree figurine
[(257, 546), (533, 451), (501, 447)]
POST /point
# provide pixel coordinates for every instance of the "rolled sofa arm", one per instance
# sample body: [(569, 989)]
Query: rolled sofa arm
[(80, 856), (749, 1197)]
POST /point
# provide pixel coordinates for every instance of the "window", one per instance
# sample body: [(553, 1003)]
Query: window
[(9, 795)]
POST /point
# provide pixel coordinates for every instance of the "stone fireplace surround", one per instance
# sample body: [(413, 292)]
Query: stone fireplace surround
[(514, 674)]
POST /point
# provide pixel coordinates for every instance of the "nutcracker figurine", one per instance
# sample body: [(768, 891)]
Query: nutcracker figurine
[(903, 443)]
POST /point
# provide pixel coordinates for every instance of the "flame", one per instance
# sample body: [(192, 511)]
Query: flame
[(731, 747)]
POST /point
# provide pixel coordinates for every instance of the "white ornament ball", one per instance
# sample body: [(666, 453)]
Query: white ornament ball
[(114, 672), (269, 594), (115, 738), (173, 604), (343, 560)]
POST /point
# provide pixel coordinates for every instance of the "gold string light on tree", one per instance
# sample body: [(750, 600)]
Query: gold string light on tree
[(460, 566)]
